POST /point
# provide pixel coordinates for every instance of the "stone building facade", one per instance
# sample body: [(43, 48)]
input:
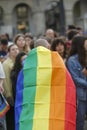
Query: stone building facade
[(37, 15)]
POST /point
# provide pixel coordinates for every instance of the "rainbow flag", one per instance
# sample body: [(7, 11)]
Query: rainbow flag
[(4, 106), (46, 96)]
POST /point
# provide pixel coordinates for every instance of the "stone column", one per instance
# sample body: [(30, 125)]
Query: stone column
[(7, 27), (38, 23), (84, 13), (68, 5), (69, 16)]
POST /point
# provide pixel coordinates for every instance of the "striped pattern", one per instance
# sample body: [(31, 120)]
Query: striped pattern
[(45, 97), (4, 106)]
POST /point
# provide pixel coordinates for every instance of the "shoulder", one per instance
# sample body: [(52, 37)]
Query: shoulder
[(73, 58), (8, 62), (72, 61)]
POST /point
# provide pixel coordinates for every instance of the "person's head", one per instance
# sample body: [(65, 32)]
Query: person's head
[(50, 33), (3, 44), (79, 47), (73, 50), (76, 42), (41, 42), (32, 44), (7, 36), (82, 48), (18, 61), (13, 51), (63, 38), (48, 39), (28, 38), (71, 34), (20, 41), (70, 28), (79, 29), (59, 46)]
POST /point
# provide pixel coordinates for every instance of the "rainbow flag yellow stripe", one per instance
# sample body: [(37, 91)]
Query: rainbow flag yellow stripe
[(46, 97)]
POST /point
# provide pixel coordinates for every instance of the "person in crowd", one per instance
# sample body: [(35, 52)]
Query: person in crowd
[(3, 49), (85, 68), (80, 30), (28, 40), (70, 28), (59, 46), (32, 44), (70, 36), (50, 33), (7, 66), (76, 63), (44, 94), (8, 38), (16, 69), (19, 40), (63, 38), (2, 77), (49, 41)]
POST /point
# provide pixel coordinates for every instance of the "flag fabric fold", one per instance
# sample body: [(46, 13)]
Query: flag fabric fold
[(46, 96)]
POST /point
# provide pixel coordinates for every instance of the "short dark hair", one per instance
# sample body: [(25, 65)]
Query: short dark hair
[(71, 34), (71, 27), (29, 35), (56, 42), (4, 41)]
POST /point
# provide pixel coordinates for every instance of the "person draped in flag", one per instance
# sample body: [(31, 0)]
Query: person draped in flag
[(45, 92)]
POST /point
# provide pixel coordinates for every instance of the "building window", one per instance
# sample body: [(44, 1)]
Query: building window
[(52, 14), (22, 19), (22, 12)]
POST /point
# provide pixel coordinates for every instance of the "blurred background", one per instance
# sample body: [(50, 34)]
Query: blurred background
[(36, 16)]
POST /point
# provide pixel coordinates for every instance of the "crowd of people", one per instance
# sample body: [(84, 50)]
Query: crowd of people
[(72, 49)]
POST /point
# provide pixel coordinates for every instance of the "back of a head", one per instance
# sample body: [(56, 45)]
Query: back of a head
[(41, 42), (71, 27), (81, 52), (71, 34), (77, 45)]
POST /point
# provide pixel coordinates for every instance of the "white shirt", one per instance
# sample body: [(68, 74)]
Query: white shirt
[(2, 74)]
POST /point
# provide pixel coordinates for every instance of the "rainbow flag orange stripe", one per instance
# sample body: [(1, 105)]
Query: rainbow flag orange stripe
[(46, 97)]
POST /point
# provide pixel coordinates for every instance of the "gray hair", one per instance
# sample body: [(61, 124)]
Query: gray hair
[(41, 42)]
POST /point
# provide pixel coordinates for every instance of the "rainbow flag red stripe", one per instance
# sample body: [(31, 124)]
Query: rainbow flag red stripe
[(46, 96), (4, 106)]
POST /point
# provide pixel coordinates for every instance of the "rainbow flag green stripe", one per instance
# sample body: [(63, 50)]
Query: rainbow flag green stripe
[(43, 104), (29, 91)]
